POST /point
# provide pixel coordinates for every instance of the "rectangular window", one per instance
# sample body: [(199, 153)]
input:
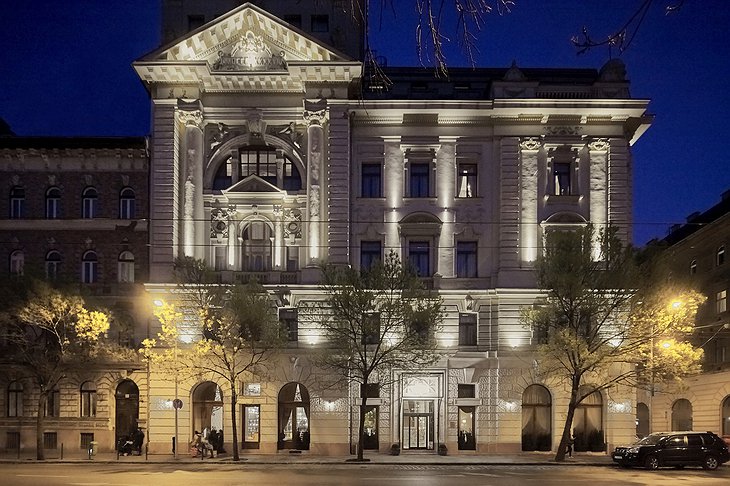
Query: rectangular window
[(371, 180), (50, 440), (467, 329), (561, 176), (17, 208), (289, 321), (293, 20), (466, 259), (86, 439), (53, 404), (320, 23), (466, 180), (370, 252), (419, 256), (52, 205), (251, 426), (89, 208), (466, 390), (12, 440), (88, 403), (418, 180), (371, 328), (88, 272), (370, 390), (721, 301)]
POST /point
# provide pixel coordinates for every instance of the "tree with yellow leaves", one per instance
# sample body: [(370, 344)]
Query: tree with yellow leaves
[(603, 323), (50, 332)]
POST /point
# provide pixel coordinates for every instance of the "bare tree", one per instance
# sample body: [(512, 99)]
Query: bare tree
[(374, 322)]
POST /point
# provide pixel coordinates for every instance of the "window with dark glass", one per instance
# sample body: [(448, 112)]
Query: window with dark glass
[(466, 390), (466, 180), (125, 267), (693, 267), (126, 203), (320, 23), (85, 439), (721, 301), (52, 407), (17, 203), (370, 252), (15, 399), (263, 163), (466, 259), (371, 180), (89, 203), (50, 440), (720, 259), (53, 203), (293, 20), (371, 328), (53, 264), (289, 321), (419, 180), (88, 399), (561, 179), (370, 390), (89, 267), (467, 329), (419, 257)]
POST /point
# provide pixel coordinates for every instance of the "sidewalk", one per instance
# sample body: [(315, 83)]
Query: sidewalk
[(527, 458)]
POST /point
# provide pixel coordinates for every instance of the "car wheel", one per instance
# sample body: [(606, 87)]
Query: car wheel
[(651, 462), (710, 463)]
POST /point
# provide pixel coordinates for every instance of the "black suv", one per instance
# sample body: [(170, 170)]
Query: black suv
[(674, 449)]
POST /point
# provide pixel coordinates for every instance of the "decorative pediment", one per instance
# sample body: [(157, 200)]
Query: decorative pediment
[(252, 183)]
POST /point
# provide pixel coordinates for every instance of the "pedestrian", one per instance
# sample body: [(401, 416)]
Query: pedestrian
[(569, 445)]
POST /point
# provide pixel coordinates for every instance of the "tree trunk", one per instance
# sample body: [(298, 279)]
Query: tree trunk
[(361, 427), (234, 399), (567, 435), (39, 426)]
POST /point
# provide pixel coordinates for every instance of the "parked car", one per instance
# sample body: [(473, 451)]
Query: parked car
[(677, 449)]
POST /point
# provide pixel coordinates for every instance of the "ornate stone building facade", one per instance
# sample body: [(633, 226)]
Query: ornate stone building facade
[(272, 153)]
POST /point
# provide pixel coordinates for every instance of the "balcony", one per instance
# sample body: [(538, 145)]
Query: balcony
[(264, 278)]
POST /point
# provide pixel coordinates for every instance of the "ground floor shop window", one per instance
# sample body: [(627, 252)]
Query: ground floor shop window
[(642, 419), (536, 419), (418, 425), (371, 428), (682, 415), (588, 424), (251, 426), (467, 439)]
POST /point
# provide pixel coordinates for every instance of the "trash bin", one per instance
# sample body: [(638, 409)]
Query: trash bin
[(93, 448)]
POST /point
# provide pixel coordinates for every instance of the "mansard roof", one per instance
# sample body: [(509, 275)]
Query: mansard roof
[(696, 221), (245, 43)]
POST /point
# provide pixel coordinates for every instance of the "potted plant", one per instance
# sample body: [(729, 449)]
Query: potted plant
[(443, 450), (395, 449)]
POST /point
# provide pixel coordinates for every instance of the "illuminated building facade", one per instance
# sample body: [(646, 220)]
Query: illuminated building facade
[(272, 153)]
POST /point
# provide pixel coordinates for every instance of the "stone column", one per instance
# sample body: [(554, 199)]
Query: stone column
[(278, 238), (529, 234), (598, 187), (445, 193), (315, 115), (191, 183), (393, 186)]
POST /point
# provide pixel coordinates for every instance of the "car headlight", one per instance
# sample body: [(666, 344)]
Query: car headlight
[(633, 450)]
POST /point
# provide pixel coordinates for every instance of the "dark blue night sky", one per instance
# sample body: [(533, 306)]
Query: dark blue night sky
[(65, 69)]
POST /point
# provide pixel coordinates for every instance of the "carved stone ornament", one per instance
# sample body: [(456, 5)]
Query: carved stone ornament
[(218, 223), (255, 122), (315, 117), (563, 130), (250, 53), (292, 223), (314, 201), (600, 145), (530, 144), (191, 118)]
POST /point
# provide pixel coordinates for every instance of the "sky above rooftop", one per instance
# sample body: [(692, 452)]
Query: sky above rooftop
[(65, 70)]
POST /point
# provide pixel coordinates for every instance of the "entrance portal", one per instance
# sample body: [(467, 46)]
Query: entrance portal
[(418, 425), (127, 409)]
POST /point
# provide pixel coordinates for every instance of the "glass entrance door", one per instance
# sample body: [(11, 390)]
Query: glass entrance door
[(418, 425)]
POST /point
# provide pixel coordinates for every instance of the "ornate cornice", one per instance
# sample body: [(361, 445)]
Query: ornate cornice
[(600, 145), (530, 143), (190, 118)]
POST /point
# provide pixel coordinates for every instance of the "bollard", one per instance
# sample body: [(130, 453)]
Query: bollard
[(62, 451)]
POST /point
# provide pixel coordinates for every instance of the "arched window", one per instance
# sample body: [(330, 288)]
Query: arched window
[(125, 267), (17, 262), (53, 264), (642, 420), (88, 399), (89, 203), (536, 419), (53, 203), (17, 202), (271, 165), (726, 416), (682, 415), (720, 259), (126, 203), (89, 264), (256, 247), (15, 399), (207, 407), (293, 417), (588, 424), (693, 267)]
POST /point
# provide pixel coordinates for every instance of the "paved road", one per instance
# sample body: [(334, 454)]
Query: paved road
[(347, 475)]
